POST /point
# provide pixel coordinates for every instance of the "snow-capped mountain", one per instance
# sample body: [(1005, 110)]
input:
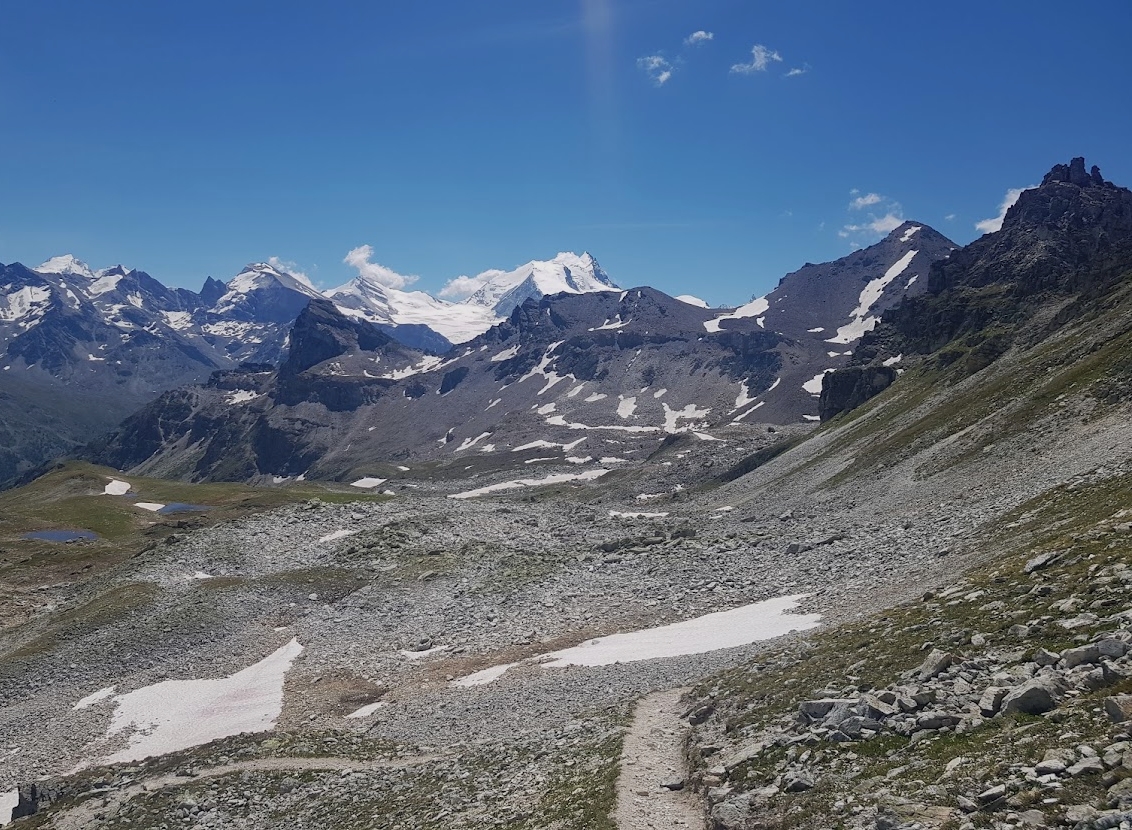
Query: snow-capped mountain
[(503, 291), (370, 300)]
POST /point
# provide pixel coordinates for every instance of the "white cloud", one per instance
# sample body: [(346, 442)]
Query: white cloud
[(876, 225), (995, 224), (698, 38), (360, 257), (950, 217), (865, 201), (797, 70), (461, 287), (657, 68), (761, 58), (289, 268)]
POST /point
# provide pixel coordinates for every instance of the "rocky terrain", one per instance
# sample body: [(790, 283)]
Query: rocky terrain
[(461, 650)]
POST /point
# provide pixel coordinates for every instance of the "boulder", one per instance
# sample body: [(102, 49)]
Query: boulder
[(1118, 708), (936, 663), (1034, 697)]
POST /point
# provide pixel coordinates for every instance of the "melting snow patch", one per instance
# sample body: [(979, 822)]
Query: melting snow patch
[(892, 361), (402, 468), (557, 478), (595, 397), (468, 443), (811, 417), (754, 308), (151, 506), (575, 459), (813, 385), (242, 396), (743, 415), (506, 354), (178, 714), (338, 534), (573, 393), (367, 483), (366, 711), (617, 514), (703, 436), (711, 632), (689, 412), (493, 403), (428, 652), (862, 322), (818, 330), (425, 364), (116, 488), (692, 300), (547, 408), (908, 284), (93, 698), (626, 406), (908, 234), (8, 802), (659, 393), (200, 575)]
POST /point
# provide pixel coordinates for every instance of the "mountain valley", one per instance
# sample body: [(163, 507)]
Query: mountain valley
[(407, 583)]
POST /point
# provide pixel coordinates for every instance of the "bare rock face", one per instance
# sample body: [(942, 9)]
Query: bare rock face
[(846, 389)]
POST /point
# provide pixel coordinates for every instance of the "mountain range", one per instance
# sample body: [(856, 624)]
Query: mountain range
[(83, 348)]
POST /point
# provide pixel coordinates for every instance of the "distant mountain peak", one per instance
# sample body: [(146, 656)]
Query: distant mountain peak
[(569, 273), (67, 264)]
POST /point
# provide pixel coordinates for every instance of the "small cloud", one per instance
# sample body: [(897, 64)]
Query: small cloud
[(656, 67), (797, 70), (698, 38), (761, 58), (291, 268), (864, 201), (949, 218), (995, 224), (360, 259), (876, 225), (461, 287)]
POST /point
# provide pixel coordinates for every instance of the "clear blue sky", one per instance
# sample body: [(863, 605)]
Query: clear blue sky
[(188, 138)]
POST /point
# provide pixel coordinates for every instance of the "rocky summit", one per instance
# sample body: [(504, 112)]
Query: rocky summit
[(602, 566)]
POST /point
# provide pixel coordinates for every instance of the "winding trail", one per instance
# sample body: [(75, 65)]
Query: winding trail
[(654, 754)]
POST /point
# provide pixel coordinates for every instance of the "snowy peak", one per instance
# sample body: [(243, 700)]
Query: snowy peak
[(569, 273), (259, 275), (66, 265)]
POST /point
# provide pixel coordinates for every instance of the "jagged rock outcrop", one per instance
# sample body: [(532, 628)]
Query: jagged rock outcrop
[(846, 389)]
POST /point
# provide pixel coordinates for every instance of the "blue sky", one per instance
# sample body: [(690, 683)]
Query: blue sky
[(187, 139)]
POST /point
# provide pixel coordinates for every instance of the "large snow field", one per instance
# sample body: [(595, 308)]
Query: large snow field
[(711, 632), (178, 714)]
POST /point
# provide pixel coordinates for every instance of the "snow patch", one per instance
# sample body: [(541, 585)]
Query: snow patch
[(855, 329), (506, 354), (116, 488), (468, 443), (754, 308), (241, 396), (337, 534), (595, 397), (711, 632), (367, 483), (689, 412), (93, 698), (151, 506), (692, 300), (908, 234), (8, 802), (892, 361), (811, 417), (618, 514), (626, 406), (557, 478), (178, 714), (813, 385), (366, 711)]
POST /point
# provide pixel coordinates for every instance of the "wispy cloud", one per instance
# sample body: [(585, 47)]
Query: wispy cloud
[(761, 58), (361, 258), (461, 287), (949, 218), (879, 225), (657, 68), (797, 70), (291, 268), (698, 38), (865, 201), (994, 224)]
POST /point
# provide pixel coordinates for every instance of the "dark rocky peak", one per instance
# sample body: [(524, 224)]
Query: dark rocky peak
[(322, 332), (1073, 223), (1074, 173), (212, 291)]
